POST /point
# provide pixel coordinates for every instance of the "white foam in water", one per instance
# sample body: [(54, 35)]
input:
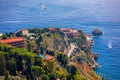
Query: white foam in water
[(99, 66), (109, 45), (12, 21)]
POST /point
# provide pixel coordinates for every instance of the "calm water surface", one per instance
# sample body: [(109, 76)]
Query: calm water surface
[(79, 14)]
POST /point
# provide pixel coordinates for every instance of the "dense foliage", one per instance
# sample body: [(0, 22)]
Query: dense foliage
[(26, 64), (20, 62)]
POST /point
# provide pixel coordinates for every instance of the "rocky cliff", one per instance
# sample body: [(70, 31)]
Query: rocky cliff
[(73, 44)]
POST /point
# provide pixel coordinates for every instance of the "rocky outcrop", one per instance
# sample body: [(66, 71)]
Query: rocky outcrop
[(95, 56), (97, 32), (77, 50)]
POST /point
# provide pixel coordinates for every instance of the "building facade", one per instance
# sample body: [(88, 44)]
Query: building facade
[(18, 42), (24, 32)]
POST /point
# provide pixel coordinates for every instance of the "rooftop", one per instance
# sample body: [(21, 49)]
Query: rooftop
[(12, 40), (47, 57), (68, 30)]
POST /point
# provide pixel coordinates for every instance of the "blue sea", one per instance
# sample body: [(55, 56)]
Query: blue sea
[(85, 15)]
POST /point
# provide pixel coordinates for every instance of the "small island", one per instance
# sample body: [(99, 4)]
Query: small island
[(97, 32), (47, 54)]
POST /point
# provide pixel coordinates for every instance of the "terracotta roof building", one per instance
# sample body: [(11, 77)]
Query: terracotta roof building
[(23, 32), (70, 32), (47, 57), (16, 42), (52, 29)]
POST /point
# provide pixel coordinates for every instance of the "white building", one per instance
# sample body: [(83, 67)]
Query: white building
[(1, 34)]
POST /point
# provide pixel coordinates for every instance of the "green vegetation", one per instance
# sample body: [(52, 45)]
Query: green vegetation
[(19, 62), (26, 64), (63, 59)]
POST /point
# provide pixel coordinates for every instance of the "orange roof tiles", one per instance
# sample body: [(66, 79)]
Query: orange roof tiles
[(12, 40), (49, 57)]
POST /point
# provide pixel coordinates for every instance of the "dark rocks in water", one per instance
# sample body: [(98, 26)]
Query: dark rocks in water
[(97, 32), (95, 56)]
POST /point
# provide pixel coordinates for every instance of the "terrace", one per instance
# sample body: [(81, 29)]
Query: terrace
[(46, 57)]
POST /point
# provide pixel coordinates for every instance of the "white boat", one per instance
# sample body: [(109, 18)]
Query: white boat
[(109, 45), (43, 6)]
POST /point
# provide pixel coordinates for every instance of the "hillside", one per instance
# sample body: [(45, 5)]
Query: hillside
[(51, 54)]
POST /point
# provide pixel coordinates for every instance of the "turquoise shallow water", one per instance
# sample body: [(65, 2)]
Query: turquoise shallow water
[(79, 14)]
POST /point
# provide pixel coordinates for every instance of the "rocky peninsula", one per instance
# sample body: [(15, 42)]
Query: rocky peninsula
[(48, 54)]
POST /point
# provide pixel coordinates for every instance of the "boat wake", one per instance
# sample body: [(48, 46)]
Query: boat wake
[(99, 66), (12, 21), (109, 45)]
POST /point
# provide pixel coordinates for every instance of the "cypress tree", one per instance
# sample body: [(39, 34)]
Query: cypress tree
[(2, 64)]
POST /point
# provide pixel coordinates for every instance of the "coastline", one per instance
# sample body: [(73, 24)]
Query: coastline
[(76, 45)]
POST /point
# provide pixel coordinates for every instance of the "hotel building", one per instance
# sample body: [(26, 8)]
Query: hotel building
[(18, 42)]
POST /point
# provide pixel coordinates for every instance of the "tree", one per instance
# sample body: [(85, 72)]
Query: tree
[(11, 65), (37, 71), (63, 59), (39, 61), (36, 30), (31, 45), (72, 69), (4, 36), (50, 66), (50, 52), (23, 64), (29, 72), (2, 64), (78, 77), (11, 34), (45, 77), (40, 38), (28, 77), (19, 63), (7, 76)]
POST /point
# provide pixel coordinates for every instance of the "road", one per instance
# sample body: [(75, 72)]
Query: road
[(71, 50)]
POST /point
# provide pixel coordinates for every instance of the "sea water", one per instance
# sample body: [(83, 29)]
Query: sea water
[(85, 15)]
